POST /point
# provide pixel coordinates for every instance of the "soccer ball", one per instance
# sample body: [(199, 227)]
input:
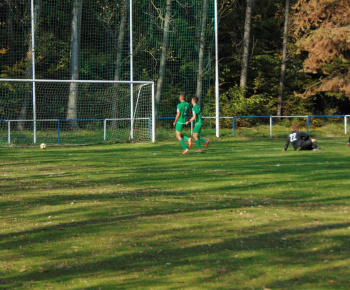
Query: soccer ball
[(42, 146)]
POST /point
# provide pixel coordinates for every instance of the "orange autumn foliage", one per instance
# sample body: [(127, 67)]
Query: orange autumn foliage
[(322, 28)]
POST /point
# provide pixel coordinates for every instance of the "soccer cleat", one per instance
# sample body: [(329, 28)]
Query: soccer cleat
[(190, 142), (348, 144), (207, 143), (199, 151), (185, 151)]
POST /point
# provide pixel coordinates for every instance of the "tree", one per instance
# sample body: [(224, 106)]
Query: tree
[(284, 59), (121, 35), (72, 112), (118, 69), (246, 42), (201, 52), (28, 70), (113, 16), (166, 31), (9, 24), (323, 29)]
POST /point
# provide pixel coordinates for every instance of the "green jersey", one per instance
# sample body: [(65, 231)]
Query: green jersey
[(197, 110), (183, 108)]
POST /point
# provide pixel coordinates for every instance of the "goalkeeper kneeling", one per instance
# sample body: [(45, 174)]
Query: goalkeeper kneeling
[(300, 140)]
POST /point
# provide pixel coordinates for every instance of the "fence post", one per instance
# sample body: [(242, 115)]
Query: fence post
[(9, 132), (58, 132), (308, 124), (270, 126), (233, 126)]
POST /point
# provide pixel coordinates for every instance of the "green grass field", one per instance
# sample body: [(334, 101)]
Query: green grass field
[(241, 215)]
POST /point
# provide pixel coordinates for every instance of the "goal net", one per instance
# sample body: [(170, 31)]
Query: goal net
[(76, 112), (168, 42)]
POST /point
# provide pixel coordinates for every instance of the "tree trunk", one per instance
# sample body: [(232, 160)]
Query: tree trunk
[(118, 69), (246, 43), (9, 24), (201, 52), (28, 70), (284, 59), (150, 12), (164, 50), (72, 112)]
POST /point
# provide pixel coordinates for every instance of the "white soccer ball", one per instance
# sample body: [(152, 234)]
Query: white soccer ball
[(42, 146)]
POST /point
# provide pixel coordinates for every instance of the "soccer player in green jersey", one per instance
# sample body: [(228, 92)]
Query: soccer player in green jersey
[(180, 121), (196, 111)]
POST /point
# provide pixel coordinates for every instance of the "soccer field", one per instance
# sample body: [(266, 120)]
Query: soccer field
[(241, 215)]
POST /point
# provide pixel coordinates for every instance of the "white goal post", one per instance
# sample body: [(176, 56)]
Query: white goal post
[(346, 124), (98, 103)]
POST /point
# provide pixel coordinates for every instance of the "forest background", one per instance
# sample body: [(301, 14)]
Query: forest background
[(276, 57)]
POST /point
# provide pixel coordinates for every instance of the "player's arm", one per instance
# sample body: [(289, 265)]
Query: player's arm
[(176, 118), (192, 119), (287, 144)]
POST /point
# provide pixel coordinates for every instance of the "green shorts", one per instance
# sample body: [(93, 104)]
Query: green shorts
[(178, 127), (197, 128)]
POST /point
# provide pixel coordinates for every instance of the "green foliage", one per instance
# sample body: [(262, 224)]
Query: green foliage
[(98, 49), (265, 62), (235, 104)]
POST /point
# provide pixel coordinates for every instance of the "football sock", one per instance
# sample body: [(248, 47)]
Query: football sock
[(182, 143), (185, 137), (198, 143), (202, 139)]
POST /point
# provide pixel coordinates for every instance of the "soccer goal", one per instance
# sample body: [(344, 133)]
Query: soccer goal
[(76, 112)]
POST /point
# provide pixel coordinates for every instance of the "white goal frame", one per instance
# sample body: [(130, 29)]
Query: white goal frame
[(132, 114)]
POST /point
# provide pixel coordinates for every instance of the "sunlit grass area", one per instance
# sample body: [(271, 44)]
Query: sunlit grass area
[(241, 215)]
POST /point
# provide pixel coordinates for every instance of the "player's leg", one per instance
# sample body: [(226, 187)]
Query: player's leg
[(198, 143), (196, 131), (200, 138), (178, 129), (206, 141), (306, 145), (203, 140), (188, 139), (349, 142), (314, 144)]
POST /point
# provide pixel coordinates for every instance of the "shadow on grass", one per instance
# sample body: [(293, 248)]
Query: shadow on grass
[(280, 249)]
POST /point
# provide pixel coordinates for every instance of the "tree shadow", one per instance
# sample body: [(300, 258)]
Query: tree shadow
[(272, 249)]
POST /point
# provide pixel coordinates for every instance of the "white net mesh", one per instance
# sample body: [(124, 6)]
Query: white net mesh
[(101, 111)]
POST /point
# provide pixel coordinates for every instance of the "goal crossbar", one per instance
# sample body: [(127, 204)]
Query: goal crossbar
[(75, 81)]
